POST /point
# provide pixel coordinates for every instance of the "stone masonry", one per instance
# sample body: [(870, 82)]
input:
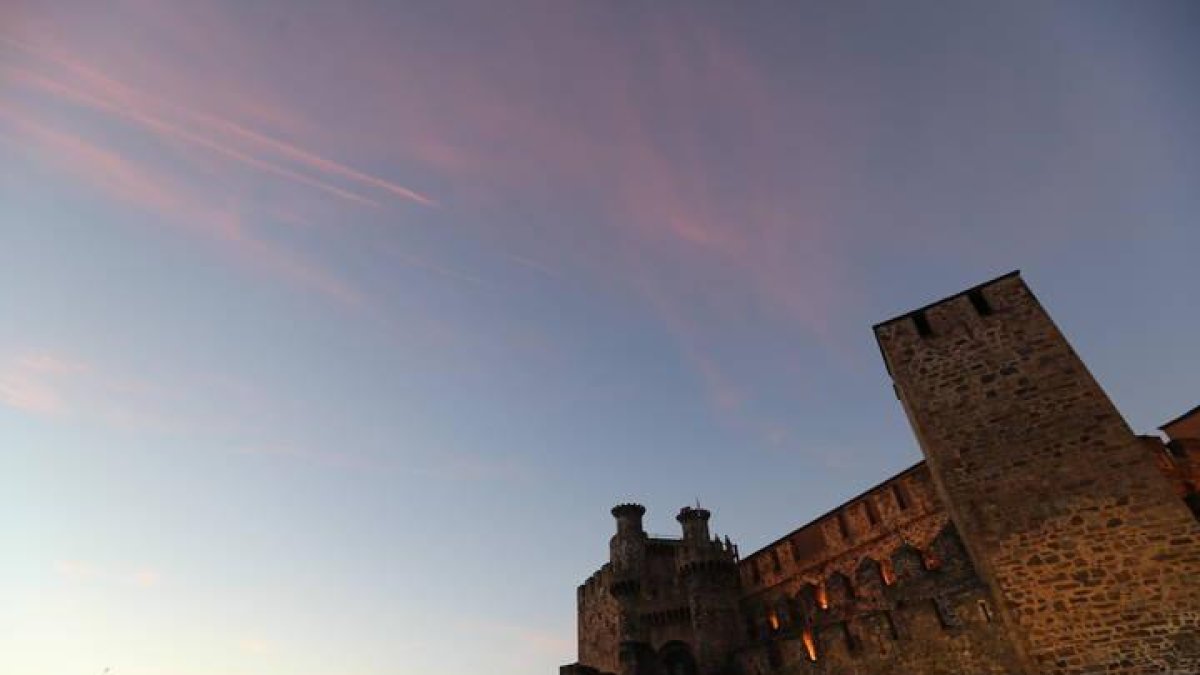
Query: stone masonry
[(1040, 536)]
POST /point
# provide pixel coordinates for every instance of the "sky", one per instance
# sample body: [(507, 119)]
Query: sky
[(333, 330)]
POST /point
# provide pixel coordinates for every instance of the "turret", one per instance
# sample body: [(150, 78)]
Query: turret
[(627, 553), (695, 524), (627, 548), (708, 569), (629, 518)]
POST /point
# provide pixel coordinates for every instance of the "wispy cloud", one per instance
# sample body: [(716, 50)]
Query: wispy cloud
[(173, 131), (699, 215), (141, 186), (23, 392), (35, 383), (45, 384), (89, 87)]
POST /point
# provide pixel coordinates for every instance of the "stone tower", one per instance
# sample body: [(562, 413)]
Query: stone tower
[(627, 555), (1092, 560), (709, 573)]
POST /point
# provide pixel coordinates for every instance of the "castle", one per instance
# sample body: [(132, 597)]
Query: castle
[(1038, 536)]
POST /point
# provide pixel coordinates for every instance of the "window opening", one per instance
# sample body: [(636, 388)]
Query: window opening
[(922, 324)]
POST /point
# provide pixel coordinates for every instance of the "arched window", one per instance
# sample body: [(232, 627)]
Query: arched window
[(948, 550), (838, 591), (868, 578), (908, 563), (809, 601)]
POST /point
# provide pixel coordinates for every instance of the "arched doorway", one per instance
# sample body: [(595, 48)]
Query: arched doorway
[(675, 658)]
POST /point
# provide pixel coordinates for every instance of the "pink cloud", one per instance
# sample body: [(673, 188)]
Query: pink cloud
[(171, 130), (701, 237), (145, 188), (208, 130), (22, 392), (43, 383), (35, 383)]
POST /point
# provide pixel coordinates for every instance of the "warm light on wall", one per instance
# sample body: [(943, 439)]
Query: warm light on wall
[(889, 574), (809, 645), (822, 597), (773, 619)]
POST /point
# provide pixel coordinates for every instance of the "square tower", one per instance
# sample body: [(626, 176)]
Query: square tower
[(1093, 561)]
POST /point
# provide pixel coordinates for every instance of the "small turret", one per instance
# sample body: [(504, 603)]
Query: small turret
[(629, 518), (627, 548), (708, 568), (627, 553), (695, 524)]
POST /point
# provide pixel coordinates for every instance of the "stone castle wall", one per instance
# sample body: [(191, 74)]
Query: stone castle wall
[(599, 633), (881, 584), (1091, 557)]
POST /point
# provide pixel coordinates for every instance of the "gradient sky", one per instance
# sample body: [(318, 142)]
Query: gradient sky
[(331, 331)]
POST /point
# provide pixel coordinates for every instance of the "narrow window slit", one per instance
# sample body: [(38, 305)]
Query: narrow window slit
[(922, 323)]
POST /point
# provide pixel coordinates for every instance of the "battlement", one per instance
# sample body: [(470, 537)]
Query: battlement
[(955, 314), (628, 510), (952, 300), (688, 513), (902, 508)]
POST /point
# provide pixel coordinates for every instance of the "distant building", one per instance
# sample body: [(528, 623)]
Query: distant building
[(1039, 536)]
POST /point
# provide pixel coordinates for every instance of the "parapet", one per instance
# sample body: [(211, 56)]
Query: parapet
[(963, 294), (628, 511), (948, 315)]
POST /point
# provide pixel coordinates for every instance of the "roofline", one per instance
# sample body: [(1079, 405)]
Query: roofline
[(989, 282), (1179, 418), (830, 512)]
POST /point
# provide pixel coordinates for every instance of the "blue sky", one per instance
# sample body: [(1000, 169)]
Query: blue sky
[(332, 332)]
